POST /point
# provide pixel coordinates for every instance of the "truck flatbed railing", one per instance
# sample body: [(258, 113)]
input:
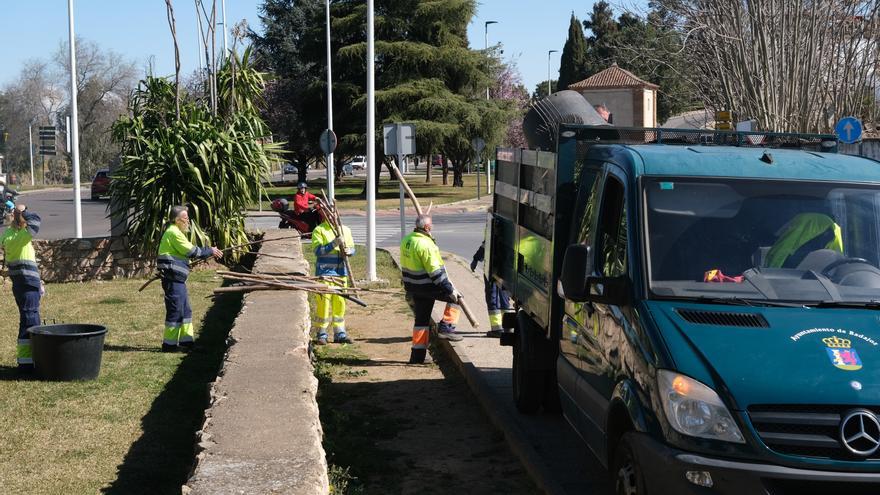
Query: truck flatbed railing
[(699, 137)]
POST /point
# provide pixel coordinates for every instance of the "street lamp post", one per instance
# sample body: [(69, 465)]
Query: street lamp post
[(331, 176), (549, 79), (74, 126), (488, 162), (371, 147), (486, 38)]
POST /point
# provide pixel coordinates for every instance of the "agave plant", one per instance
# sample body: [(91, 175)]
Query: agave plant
[(215, 164)]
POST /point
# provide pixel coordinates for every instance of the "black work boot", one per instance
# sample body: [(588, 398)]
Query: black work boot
[(185, 346), (417, 356), (168, 347)]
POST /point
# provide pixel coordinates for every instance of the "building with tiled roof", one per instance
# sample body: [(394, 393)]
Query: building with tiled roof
[(631, 101)]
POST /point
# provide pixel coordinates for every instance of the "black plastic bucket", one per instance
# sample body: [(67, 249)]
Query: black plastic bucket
[(67, 352)]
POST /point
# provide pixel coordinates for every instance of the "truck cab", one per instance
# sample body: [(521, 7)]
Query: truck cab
[(704, 312)]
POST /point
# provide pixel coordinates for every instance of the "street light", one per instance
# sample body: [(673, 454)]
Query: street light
[(371, 147), (488, 163), (74, 124), (549, 52), (486, 37), (331, 176)]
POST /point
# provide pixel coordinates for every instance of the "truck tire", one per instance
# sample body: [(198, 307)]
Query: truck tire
[(528, 383), (627, 475)]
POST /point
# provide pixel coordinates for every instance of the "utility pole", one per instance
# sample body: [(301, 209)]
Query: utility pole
[(550, 52), (31, 150), (371, 147), (488, 161), (74, 138), (331, 176)]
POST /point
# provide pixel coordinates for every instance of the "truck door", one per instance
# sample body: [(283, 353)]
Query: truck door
[(598, 350)]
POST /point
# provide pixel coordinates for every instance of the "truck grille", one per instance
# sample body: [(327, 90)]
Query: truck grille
[(804, 430)]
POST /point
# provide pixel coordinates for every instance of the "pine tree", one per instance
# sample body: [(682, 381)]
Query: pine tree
[(574, 66), (600, 44)]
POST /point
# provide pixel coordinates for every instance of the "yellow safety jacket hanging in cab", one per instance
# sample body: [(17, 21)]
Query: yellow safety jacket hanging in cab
[(804, 233)]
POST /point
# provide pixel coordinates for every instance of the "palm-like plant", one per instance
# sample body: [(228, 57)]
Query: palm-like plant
[(212, 163)]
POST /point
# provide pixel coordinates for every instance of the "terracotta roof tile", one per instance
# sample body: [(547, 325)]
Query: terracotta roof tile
[(612, 78)]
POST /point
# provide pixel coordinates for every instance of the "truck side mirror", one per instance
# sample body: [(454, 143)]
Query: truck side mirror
[(577, 266), (577, 283)]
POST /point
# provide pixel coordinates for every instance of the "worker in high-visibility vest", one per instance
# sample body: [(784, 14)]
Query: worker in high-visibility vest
[(497, 299), (329, 309), (175, 250), (21, 262), (425, 281)]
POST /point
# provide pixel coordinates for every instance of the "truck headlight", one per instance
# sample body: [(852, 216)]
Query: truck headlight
[(695, 410)]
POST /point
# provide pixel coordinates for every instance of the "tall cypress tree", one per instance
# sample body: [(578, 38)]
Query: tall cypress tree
[(574, 66)]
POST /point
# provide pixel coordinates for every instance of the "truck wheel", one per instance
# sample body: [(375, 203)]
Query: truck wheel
[(626, 472), (528, 384)]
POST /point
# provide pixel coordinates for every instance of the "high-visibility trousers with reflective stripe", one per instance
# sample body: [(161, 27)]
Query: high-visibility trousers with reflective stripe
[(497, 302), (178, 313), (28, 300), (421, 305), (329, 310)]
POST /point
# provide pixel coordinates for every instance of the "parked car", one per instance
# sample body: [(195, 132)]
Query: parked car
[(101, 184), (359, 162), (289, 168)]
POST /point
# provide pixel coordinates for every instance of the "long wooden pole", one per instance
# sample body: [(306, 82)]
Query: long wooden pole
[(409, 192)]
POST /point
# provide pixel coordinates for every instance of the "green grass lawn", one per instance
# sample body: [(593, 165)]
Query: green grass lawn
[(132, 429), (348, 192)]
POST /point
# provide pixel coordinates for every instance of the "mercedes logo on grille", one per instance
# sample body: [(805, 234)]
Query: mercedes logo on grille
[(860, 432)]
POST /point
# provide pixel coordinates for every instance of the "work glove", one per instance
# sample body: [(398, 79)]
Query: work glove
[(337, 242), (456, 295), (349, 252)]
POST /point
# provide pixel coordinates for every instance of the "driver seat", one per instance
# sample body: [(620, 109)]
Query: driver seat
[(803, 234)]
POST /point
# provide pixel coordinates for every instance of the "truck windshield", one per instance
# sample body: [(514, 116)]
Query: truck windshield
[(737, 239)]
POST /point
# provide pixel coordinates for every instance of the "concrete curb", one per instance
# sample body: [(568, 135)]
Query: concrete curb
[(500, 418)]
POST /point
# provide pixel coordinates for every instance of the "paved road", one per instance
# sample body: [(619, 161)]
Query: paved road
[(459, 233), (55, 207)]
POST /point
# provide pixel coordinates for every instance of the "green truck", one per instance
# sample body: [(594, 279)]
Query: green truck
[(703, 307)]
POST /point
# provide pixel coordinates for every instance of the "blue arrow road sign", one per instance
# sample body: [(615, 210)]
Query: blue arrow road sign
[(848, 130)]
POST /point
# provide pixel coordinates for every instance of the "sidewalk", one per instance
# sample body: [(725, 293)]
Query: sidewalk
[(552, 453)]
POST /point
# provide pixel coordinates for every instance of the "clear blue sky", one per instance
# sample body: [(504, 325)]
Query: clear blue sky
[(138, 29), (527, 30)]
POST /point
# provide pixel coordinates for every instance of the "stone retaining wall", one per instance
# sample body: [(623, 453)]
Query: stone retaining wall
[(97, 258)]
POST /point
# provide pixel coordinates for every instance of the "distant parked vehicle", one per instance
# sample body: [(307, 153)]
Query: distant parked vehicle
[(101, 184), (436, 161), (359, 162), (289, 168)]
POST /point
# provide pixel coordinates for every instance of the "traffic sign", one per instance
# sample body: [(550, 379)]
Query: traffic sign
[(848, 130), (478, 143), (328, 141), (399, 139)]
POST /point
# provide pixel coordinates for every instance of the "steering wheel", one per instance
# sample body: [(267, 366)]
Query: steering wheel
[(841, 262)]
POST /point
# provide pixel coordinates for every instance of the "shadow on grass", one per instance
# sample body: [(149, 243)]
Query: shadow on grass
[(12, 374), (160, 461), (130, 348)]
